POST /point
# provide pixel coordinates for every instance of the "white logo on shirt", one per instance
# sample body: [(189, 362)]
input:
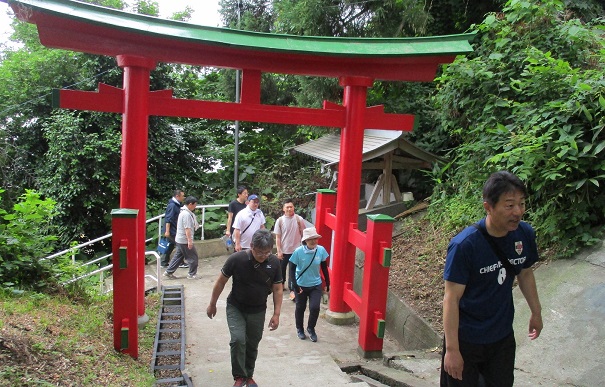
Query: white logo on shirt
[(519, 247)]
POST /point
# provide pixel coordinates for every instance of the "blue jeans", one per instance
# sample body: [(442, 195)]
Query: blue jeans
[(246, 331)]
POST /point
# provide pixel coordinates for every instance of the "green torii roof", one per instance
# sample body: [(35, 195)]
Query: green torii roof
[(93, 29)]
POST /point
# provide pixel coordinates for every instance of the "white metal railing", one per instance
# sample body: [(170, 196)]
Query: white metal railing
[(204, 207), (101, 271)]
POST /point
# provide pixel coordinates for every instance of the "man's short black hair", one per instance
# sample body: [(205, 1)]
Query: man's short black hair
[(241, 189), (177, 192), (499, 183), (190, 200), (286, 201), (262, 239)]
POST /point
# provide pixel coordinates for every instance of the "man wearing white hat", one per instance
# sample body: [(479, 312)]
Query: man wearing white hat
[(305, 264)]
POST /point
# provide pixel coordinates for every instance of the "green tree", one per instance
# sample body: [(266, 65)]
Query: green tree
[(530, 100), (72, 157)]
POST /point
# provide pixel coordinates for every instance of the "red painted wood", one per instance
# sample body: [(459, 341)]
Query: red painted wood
[(125, 299), (133, 176), (349, 179)]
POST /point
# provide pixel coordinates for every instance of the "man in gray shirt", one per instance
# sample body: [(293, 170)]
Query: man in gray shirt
[(186, 226)]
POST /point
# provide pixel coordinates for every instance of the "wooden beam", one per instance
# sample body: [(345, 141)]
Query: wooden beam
[(388, 178), (395, 189), (375, 192), (372, 165)]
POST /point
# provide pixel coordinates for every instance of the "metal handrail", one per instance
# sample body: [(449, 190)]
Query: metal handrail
[(103, 269), (204, 207), (158, 218)]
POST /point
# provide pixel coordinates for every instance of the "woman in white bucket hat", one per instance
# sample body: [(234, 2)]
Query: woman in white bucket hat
[(305, 264)]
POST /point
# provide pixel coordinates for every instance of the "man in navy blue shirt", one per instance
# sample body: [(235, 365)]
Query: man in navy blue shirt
[(478, 308), (171, 216)]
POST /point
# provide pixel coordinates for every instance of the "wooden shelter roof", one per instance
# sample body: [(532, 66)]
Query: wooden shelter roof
[(375, 144)]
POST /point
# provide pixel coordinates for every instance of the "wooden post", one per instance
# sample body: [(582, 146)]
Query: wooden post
[(124, 245)]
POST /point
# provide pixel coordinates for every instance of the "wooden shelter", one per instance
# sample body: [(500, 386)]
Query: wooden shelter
[(384, 150)]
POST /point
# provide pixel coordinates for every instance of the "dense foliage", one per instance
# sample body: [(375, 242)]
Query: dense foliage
[(25, 236), (530, 100), (74, 157)]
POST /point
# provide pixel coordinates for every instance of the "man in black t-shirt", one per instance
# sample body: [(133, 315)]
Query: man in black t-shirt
[(256, 273), (236, 206)]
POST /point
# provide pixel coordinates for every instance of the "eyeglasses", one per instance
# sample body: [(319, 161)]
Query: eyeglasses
[(258, 253)]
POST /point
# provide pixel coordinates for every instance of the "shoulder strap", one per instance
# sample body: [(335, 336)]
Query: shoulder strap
[(301, 224), (496, 249), (309, 265), (248, 225)]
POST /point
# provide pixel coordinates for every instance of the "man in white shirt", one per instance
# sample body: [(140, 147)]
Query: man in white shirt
[(247, 222)]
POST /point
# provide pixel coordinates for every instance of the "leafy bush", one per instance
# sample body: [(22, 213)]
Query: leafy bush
[(25, 237), (529, 100), (287, 180)]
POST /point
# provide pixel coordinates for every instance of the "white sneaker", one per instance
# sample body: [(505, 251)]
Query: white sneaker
[(169, 275), (189, 276)]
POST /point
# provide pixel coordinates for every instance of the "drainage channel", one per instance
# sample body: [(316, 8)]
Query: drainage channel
[(168, 360), (380, 375), (359, 374)]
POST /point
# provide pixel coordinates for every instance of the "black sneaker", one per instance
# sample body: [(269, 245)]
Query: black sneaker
[(184, 266), (312, 334), (301, 334)]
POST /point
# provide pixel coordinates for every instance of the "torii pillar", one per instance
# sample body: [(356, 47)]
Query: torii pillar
[(133, 174), (347, 199)]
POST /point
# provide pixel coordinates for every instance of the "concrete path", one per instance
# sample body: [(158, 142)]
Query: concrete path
[(283, 360), (570, 351)]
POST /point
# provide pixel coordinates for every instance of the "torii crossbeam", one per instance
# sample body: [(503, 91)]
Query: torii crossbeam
[(139, 42)]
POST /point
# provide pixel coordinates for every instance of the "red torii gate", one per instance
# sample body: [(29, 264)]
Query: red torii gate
[(139, 42)]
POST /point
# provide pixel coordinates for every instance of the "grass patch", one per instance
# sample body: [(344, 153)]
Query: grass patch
[(416, 272), (51, 340)]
